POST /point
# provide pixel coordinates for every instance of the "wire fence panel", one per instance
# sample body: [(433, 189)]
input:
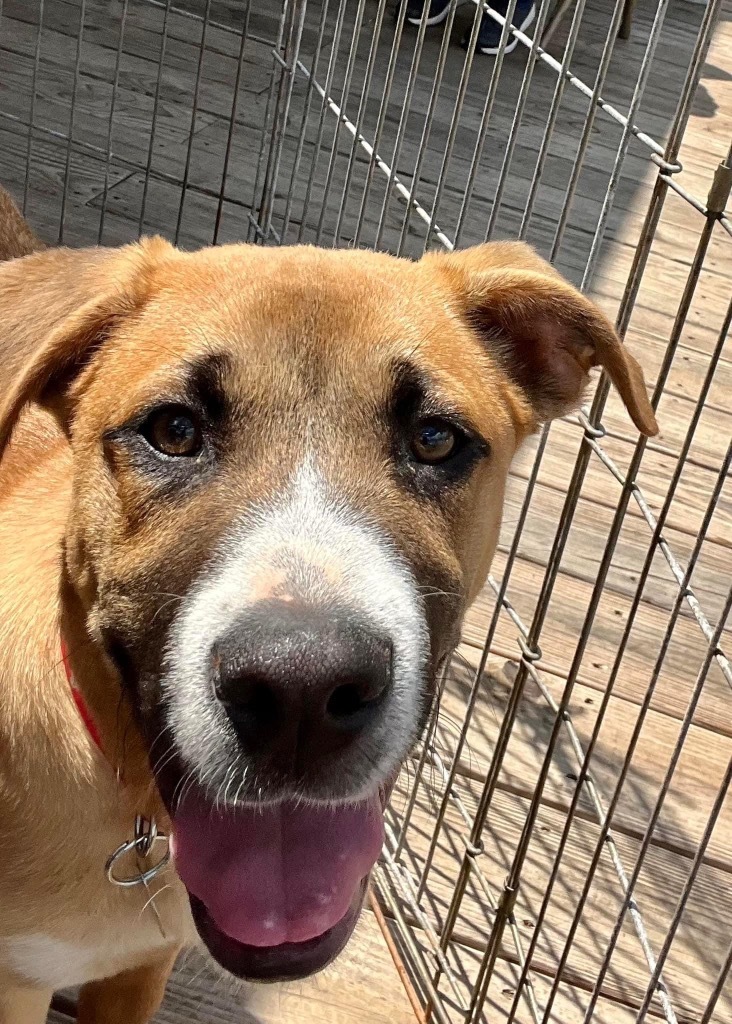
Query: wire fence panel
[(413, 152), (558, 847)]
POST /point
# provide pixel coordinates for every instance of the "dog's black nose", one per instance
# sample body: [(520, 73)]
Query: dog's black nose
[(299, 684)]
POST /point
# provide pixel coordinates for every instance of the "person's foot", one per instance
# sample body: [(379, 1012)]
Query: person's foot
[(438, 11), (489, 37)]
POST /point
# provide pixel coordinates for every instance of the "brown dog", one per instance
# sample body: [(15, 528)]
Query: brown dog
[(250, 492)]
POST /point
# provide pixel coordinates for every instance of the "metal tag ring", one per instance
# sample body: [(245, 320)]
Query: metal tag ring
[(144, 876)]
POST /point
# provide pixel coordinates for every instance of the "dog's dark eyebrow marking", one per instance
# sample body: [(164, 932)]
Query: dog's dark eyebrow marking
[(409, 381), (414, 390), (206, 382)]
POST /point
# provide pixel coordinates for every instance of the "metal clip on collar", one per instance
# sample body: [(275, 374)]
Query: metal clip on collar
[(145, 838)]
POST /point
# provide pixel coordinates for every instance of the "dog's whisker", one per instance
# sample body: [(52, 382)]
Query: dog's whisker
[(152, 897), (242, 783), (165, 759)]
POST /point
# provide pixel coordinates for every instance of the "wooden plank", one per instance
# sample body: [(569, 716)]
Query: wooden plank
[(44, 197), (695, 956), (162, 212), (670, 695), (569, 1005), (585, 547), (185, 60), (692, 494), (361, 987), (692, 790), (563, 627), (140, 54), (133, 106)]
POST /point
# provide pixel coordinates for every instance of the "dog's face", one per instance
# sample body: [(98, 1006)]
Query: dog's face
[(288, 477)]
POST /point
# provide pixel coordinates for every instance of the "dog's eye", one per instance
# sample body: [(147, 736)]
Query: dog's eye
[(434, 441), (174, 431)]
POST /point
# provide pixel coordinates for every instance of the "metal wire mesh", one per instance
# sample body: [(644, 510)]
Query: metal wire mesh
[(545, 855)]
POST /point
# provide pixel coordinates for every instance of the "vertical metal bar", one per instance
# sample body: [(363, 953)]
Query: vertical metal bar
[(458, 108), (488, 643), (363, 99), (514, 876), (403, 119), (517, 119), (194, 115), (558, 16), (546, 138), (345, 93), (332, 61), (681, 739), (110, 125), (603, 68), (686, 892), (423, 758), (255, 225), (232, 120), (483, 128), (680, 118), (282, 114), (154, 120), (391, 945), (415, 957), (305, 118), (426, 128), (610, 685), (70, 143), (493, 904), (32, 112), (399, 188), (381, 117), (691, 82), (404, 886), (718, 986), (627, 134)]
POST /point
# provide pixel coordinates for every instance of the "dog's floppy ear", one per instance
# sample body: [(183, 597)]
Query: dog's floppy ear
[(545, 334), (56, 308)]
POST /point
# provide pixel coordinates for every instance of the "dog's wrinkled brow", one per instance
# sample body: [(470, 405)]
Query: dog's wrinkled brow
[(205, 381), (415, 389)]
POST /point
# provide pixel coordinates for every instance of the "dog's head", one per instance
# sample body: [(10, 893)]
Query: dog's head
[(289, 467)]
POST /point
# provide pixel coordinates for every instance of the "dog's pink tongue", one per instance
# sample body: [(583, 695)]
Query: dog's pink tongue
[(278, 873)]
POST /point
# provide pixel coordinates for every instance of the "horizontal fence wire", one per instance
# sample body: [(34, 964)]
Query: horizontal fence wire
[(327, 131)]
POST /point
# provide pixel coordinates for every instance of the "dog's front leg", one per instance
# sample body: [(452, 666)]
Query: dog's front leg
[(132, 997), (23, 1005)]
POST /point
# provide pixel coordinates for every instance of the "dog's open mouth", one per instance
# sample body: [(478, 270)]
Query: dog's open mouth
[(276, 889)]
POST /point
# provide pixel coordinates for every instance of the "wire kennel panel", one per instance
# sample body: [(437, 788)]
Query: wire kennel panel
[(541, 861), (559, 847)]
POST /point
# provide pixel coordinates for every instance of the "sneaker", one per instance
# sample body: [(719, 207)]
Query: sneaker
[(438, 11), (489, 36)]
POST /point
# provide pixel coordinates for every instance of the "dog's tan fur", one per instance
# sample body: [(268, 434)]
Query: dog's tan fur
[(86, 336)]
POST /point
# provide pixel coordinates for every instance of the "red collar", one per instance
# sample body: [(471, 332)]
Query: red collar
[(81, 705)]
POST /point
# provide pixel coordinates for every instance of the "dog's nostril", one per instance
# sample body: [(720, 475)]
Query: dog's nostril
[(351, 701), (345, 701), (253, 702), (261, 703)]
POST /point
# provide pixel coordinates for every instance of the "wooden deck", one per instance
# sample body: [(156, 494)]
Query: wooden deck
[(364, 986)]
